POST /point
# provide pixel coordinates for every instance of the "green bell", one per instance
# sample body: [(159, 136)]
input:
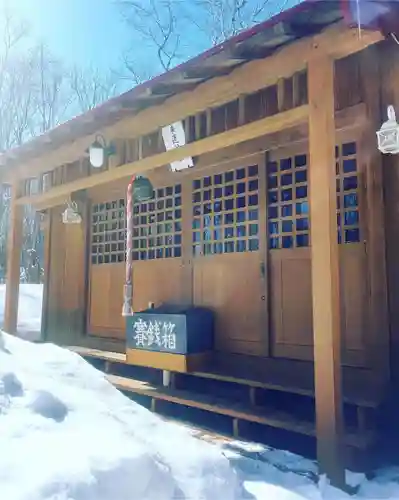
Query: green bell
[(142, 190)]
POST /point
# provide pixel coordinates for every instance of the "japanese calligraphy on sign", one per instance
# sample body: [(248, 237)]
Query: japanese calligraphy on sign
[(154, 335), (175, 137)]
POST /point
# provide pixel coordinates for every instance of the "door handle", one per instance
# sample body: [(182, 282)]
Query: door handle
[(262, 270)]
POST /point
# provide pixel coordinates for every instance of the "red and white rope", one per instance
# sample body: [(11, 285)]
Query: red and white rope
[(128, 289)]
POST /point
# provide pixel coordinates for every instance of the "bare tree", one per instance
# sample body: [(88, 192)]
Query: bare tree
[(89, 87), (176, 29), (156, 25)]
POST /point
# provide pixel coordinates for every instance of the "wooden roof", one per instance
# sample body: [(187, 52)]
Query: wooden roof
[(305, 19)]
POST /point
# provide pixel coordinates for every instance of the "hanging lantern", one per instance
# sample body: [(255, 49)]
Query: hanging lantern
[(99, 150), (388, 135), (142, 190), (71, 214)]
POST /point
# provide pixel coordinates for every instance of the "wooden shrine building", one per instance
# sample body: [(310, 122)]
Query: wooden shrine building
[(287, 225)]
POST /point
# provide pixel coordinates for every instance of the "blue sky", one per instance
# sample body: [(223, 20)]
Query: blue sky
[(87, 32)]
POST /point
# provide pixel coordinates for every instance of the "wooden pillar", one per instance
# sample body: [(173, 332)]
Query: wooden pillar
[(14, 245), (325, 267)]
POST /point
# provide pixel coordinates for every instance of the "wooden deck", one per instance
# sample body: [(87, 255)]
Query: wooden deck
[(295, 377), (236, 410)]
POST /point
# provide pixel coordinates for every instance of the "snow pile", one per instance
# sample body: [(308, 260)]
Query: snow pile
[(29, 310), (67, 434)]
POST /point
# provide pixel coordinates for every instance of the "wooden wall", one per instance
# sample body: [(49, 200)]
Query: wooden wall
[(234, 233)]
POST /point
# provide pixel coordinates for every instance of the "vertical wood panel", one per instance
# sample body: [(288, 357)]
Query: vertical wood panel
[(390, 95), (378, 319), (47, 230), (14, 245), (325, 267)]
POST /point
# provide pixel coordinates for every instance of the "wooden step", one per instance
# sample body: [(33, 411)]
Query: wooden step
[(261, 415), (273, 382)]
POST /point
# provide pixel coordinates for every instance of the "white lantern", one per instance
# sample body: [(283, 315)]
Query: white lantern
[(71, 214), (96, 153), (388, 135)]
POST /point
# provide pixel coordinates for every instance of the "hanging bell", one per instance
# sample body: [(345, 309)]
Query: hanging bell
[(142, 190)]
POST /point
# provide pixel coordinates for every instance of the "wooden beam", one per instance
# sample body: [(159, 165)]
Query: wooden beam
[(325, 267), (14, 245), (244, 133), (337, 41)]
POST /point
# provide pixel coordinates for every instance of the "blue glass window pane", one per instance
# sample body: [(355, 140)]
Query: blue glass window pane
[(273, 196), (301, 176), (253, 229), (272, 167), (228, 190), (253, 185), (207, 195), (241, 231), (350, 200), (286, 211), (352, 235), (218, 179), (287, 226), (285, 164), (218, 192), (229, 247), (253, 214), (350, 183), (241, 246), (240, 216), (286, 194), (196, 184), (217, 220), (274, 243), (218, 248), (272, 212), (273, 227), (207, 181), (229, 204), (217, 206), (253, 245), (253, 171), (229, 232), (300, 160), (286, 179), (240, 173), (349, 148), (196, 250), (240, 188), (287, 241), (196, 237), (178, 188), (302, 224), (253, 199), (272, 182), (351, 218), (301, 192), (302, 240), (349, 166), (228, 176), (217, 234), (240, 202), (229, 218), (196, 223)]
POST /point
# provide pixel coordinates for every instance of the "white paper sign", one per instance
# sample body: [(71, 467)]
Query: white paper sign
[(175, 137)]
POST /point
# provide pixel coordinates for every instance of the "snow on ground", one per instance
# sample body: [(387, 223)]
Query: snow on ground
[(67, 434), (29, 311)]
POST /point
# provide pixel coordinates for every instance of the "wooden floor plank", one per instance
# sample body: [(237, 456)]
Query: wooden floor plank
[(266, 416), (267, 373)]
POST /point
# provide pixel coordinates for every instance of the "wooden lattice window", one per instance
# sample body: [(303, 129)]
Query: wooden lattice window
[(347, 193), (288, 207), (108, 238), (226, 212), (157, 226)]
